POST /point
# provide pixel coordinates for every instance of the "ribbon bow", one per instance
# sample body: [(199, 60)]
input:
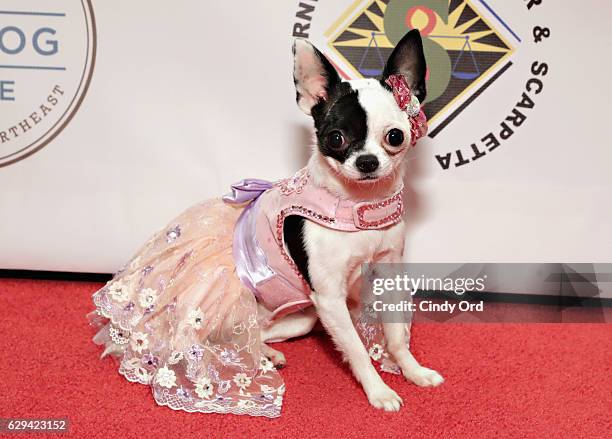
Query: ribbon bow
[(409, 103), (247, 190)]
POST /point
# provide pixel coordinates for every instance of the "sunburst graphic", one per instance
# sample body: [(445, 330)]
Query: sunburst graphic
[(461, 46)]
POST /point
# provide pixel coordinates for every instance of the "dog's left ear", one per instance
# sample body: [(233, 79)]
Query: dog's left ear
[(408, 59), (313, 74)]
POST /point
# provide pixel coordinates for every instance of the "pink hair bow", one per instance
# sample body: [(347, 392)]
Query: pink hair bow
[(409, 103)]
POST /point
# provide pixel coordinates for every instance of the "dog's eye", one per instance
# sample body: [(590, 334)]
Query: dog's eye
[(395, 137), (335, 140)]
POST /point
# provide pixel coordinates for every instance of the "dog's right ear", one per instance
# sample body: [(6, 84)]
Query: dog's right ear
[(313, 75)]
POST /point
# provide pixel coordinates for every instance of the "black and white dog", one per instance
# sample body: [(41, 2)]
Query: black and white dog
[(362, 137)]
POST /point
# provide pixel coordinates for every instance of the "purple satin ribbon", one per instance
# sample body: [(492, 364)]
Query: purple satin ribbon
[(251, 265), (247, 190)]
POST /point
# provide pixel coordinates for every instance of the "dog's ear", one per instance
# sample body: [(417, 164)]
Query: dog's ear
[(313, 75), (408, 59)]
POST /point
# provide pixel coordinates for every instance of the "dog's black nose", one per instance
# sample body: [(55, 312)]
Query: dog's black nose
[(367, 163)]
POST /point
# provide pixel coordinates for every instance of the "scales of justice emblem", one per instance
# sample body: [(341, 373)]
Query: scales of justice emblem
[(461, 45)]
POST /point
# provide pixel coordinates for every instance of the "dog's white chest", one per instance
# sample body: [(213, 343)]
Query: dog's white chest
[(333, 253)]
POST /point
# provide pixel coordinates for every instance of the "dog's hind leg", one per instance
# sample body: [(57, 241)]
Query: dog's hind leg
[(290, 326), (276, 357)]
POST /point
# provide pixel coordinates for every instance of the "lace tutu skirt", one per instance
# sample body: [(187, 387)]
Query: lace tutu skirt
[(178, 319)]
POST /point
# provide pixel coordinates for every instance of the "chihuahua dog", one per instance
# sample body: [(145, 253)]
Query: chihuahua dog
[(192, 313), (362, 137)]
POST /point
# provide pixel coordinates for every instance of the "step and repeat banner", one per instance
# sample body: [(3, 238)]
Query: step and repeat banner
[(115, 116)]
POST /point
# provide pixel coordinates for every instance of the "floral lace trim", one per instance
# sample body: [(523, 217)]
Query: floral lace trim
[(125, 319), (118, 329), (371, 333), (268, 406)]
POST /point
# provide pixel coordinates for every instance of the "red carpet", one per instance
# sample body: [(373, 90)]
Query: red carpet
[(520, 380)]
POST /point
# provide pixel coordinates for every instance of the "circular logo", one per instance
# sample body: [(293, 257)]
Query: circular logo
[(47, 56)]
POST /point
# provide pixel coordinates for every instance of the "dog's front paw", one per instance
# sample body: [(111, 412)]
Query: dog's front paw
[(384, 397), (424, 377)]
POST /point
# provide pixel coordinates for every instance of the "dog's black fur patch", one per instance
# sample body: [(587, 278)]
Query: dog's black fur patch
[(342, 112), (293, 234)]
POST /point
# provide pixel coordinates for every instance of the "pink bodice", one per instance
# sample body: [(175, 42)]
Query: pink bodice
[(261, 256)]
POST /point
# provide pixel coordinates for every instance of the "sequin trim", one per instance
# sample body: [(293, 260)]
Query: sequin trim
[(394, 218)]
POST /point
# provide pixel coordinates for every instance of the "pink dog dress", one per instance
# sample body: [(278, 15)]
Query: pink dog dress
[(262, 262)]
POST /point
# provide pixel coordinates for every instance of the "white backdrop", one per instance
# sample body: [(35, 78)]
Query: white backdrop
[(188, 98)]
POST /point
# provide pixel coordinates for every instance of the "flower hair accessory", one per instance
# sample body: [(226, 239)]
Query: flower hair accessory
[(409, 103)]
